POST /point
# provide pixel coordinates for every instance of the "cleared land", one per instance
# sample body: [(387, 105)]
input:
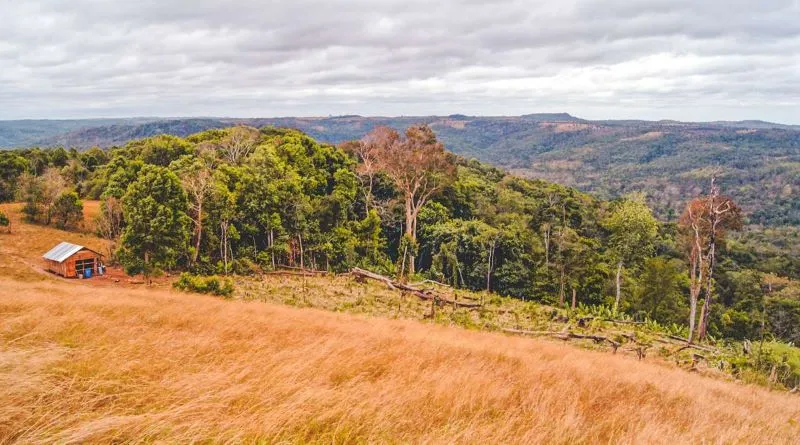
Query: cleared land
[(81, 363)]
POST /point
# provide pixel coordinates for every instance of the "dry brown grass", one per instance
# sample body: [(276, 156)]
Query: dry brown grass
[(81, 364), (21, 250), (85, 364)]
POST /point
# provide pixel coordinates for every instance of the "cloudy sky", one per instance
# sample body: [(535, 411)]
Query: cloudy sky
[(648, 59)]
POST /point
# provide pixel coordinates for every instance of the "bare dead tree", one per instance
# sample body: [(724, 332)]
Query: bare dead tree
[(109, 222), (692, 221), (705, 222), (239, 143), (367, 150), (198, 183), (722, 215)]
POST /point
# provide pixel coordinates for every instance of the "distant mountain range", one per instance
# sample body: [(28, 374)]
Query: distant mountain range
[(85, 133), (758, 162)]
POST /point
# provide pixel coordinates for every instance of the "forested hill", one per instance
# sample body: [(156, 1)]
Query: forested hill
[(243, 200), (758, 163)]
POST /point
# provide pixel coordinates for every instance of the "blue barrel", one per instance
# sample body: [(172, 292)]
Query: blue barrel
[(87, 273)]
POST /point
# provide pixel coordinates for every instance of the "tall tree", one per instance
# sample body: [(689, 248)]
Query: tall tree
[(571, 252), (722, 215), (53, 185), (11, 167), (109, 221), (156, 233), (419, 167), (705, 222), (198, 182), (658, 294), (633, 233), (695, 235), (368, 150)]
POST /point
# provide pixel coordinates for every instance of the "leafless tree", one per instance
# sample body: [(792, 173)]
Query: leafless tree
[(705, 223), (109, 221), (198, 183), (239, 143)]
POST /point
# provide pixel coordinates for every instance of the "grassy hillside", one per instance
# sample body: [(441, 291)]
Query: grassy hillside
[(91, 361), (82, 364)]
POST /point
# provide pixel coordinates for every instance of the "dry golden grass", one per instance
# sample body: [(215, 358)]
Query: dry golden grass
[(21, 250), (81, 364)]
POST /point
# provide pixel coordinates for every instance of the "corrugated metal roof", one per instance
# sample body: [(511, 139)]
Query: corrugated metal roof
[(62, 251)]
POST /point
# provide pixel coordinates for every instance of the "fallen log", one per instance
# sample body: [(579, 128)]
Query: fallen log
[(698, 347), (357, 272), (623, 321), (285, 268), (610, 320), (292, 273), (566, 336), (423, 294), (522, 332), (430, 282)]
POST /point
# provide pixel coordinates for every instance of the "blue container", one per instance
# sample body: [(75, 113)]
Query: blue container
[(87, 273)]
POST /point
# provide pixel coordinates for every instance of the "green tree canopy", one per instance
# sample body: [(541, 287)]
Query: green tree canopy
[(633, 233), (157, 230)]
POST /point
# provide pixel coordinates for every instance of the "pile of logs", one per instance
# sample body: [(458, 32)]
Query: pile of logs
[(425, 294)]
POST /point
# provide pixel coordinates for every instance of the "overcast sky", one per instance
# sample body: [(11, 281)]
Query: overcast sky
[(647, 59)]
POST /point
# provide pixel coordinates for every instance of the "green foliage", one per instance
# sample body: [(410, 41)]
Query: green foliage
[(773, 363), (67, 210), (633, 230), (156, 233), (4, 221), (214, 285), (12, 165), (783, 318), (600, 311), (159, 150), (660, 291), (241, 200)]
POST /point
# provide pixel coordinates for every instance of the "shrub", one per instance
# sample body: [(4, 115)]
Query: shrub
[(67, 209), (4, 222), (214, 285)]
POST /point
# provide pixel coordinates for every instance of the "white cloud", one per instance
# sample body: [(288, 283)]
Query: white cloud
[(678, 59)]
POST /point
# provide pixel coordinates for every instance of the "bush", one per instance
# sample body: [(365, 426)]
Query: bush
[(4, 222), (214, 285), (67, 209)]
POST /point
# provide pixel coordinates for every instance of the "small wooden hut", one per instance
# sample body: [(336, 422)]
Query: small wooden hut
[(71, 260)]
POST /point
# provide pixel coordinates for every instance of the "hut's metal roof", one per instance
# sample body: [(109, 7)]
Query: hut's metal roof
[(62, 251)]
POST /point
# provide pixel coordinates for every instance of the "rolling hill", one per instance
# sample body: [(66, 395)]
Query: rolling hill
[(86, 363), (758, 163)]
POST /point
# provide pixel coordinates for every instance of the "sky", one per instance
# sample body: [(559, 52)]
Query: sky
[(691, 60)]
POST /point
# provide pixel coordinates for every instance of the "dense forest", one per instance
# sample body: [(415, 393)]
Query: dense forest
[(240, 200), (757, 163)]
